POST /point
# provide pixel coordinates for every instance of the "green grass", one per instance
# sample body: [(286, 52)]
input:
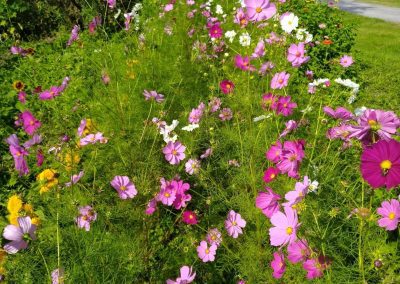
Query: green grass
[(390, 3), (377, 48)]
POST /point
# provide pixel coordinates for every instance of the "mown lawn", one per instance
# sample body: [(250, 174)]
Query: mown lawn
[(378, 46)]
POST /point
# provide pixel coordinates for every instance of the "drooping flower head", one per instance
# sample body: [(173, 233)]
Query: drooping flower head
[(340, 113), (153, 95), (278, 265), (285, 227), (380, 164), (174, 152), (234, 224), (74, 35), (125, 188), (19, 235), (268, 202), (390, 212), (74, 179), (206, 253), (259, 10)]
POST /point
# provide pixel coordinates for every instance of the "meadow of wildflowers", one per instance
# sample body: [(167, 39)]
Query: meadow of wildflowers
[(202, 142)]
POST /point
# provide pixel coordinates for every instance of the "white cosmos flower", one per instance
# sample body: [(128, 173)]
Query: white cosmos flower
[(289, 22), (245, 39), (191, 127), (219, 10), (230, 35)]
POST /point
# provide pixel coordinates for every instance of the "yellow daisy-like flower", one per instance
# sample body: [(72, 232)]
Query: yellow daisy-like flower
[(13, 219), (46, 175), (35, 221), (28, 208), (18, 85), (14, 204)]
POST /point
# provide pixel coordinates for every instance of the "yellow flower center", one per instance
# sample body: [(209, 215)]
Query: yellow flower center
[(174, 152), (207, 251), (190, 216), (272, 176), (234, 223), (167, 194), (374, 124), (280, 81), (31, 122), (391, 215), (258, 10), (123, 188), (386, 165), (213, 238), (289, 230)]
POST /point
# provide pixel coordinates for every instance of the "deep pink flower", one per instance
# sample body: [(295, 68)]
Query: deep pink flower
[(149, 95), (346, 61), (215, 31), (234, 224), (187, 276), (96, 21), (298, 251), (39, 158), (259, 50), (380, 164), (167, 194), (174, 152), (375, 124), (29, 122), (268, 202), (259, 10), (270, 174), (274, 153), (49, 94), (290, 126), (278, 265), (22, 97), (18, 235), (151, 207), (206, 253), (285, 227), (181, 197), (315, 266), (214, 237), (296, 55), (269, 101), (390, 212), (19, 153), (111, 3), (340, 113), (280, 80), (243, 63), (189, 217), (125, 188), (227, 86), (292, 155), (86, 216), (285, 106), (225, 114)]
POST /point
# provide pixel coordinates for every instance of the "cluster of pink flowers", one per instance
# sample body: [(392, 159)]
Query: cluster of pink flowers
[(54, 91), (86, 216), (196, 114)]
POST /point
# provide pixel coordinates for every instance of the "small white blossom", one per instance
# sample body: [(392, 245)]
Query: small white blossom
[(190, 127), (245, 39), (289, 22), (261, 117), (230, 35), (219, 10), (359, 111), (313, 186)]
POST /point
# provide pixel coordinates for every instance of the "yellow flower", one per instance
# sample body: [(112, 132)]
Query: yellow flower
[(71, 159), (18, 85), (36, 221), (44, 189), (28, 208), (13, 219), (130, 75), (46, 175), (14, 204)]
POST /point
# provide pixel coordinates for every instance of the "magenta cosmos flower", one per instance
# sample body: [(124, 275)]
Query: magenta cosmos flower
[(206, 253), (270, 174), (125, 188), (340, 113), (298, 251), (234, 224), (243, 63), (346, 61), (278, 265), (375, 124), (49, 94), (74, 179), (274, 153), (215, 31), (285, 106), (214, 237), (259, 10), (227, 86), (280, 80), (380, 164), (189, 217), (174, 152), (29, 122), (315, 266), (296, 55), (291, 156), (390, 212), (19, 235), (187, 276), (268, 202), (290, 126), (74, 35), (285, 227), (86, 216)]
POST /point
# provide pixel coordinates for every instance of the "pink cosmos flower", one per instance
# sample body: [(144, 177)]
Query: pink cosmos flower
[(92, 139), (299, 193), (270, 174), (296, 55), (125, 188), (241, 18), (29, 122), (259, 50), (215, 31), (74, 35), (340, 132), (269, 101), (167, 194), (206, 253), (111, 3), (159, 98), (375, 124), (268, 202), (274, 153), (18, 235), (380, 164), (49, 94), (127, 23), (86, 216), (266, 67), (96, 21), (57, 276), (298, 251), (22, 97), (207, 153), (18, 153), (259, 10), (214, 237), (340, 113), (189, 217), (168, 7), (74, 179), (225, 114), (285, 106), (290, 126), (196, 114), (151, 207), (234, 224), (346, 61), (181, 197), (315, 266), (243, 63), (214, 104), (285, 227), (174, 152), (227, 86), (192, 166), (292, 155), (280, 80), (390, 212), (187, 276), (278, 265)]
